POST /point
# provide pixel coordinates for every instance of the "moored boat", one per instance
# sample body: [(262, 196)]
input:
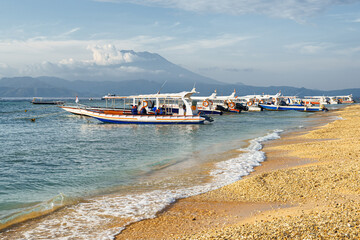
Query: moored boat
[(83, 110), (47, 102), (252, 102), (214, 104), (303, 108), (154, 109), (346, 99)]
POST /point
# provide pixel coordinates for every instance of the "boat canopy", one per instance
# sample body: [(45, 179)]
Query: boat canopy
[(214, 97), (167, 100), (180, 95)]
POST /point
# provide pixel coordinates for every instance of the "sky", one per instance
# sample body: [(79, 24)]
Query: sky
[(301, 43)]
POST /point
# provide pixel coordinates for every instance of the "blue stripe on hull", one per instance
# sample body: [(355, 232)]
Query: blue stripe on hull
[(137, 122), (282, 108)]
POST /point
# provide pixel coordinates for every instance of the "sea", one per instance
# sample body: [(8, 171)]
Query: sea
[(64, 176)]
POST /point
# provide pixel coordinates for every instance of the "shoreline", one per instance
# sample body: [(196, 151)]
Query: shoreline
[(232, 212)]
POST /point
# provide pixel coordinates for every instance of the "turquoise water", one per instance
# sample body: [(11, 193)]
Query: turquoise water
[(127, 171)]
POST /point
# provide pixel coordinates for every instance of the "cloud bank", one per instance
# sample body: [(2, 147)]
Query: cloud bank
[(107, 63), (290, 9)]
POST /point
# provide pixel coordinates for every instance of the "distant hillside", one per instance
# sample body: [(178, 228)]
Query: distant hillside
[(57, 87)]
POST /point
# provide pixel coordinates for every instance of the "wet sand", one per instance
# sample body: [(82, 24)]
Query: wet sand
[(308, 188)]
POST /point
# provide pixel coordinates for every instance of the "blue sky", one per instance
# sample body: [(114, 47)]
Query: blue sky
[(302, 43)]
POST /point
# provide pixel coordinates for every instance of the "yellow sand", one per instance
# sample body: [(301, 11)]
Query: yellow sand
[(320, 200)]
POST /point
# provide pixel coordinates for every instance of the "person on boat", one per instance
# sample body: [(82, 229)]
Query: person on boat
[(184, 108), (226, 104), (162, 111), (143, 111), (134, 110), (152, 104)]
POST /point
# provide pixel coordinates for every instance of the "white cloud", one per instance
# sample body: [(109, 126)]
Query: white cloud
[(349, 51), (107, 63), (217, 42), (309, 47), (6, 70), (109, 54), (37, 49), (290, 9), (175, 24), (70, 32)]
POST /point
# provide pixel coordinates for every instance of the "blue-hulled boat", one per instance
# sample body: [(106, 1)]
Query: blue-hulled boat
[(297, 107)]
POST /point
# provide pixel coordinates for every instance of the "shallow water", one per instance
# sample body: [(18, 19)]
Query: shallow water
[(108, 173)]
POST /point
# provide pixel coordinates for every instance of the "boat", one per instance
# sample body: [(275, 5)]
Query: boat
[(154, 109), (49, 102), (206, 104), (83, 110), (108, 95), (302, 108), (333, 100), (252, 102), (316, 100), (346, 99), (214, 104)]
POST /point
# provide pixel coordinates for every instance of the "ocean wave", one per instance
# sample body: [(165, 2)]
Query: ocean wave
[(94, 218), (232, 170)]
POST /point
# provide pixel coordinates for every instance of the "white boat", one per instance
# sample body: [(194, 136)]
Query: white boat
[(316, 100), (215, 104), (346, 99), (333, 100), (302, 108), (253, 101), (154, 109), (83, 110)]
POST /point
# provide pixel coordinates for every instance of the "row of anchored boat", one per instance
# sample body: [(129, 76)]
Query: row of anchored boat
[(184, 108)]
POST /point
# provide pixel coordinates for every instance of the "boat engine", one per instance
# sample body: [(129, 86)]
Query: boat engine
[(239, 106), (207, 118)]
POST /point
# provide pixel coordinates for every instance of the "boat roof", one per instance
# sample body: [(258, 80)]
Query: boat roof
[(180, 95), (315, 96), (214, 96), (262, 96)]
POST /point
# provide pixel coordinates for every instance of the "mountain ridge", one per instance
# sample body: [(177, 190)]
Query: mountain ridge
[(58, 87)]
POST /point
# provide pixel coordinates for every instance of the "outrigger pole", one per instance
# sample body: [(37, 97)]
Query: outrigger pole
[(162, 87)]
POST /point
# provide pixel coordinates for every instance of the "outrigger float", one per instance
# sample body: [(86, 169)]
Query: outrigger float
[(148, 109)]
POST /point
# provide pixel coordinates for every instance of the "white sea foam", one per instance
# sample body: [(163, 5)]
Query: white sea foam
[(232, 170), (87, 220)]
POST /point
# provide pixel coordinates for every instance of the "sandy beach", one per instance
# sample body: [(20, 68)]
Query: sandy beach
[(308, 188)]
